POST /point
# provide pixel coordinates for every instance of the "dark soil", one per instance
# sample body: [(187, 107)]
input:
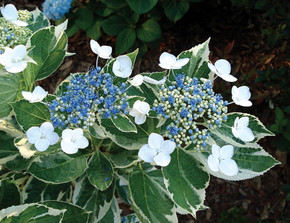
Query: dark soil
[(235, 35)]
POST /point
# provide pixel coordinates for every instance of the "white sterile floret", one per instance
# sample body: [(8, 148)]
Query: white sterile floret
[(222, 68), (137, 80), (10, 13), (157, 150), (169, 61), (241, 96), (221, 160), (37, 95), (102, 51), (15, 60), (241, 130), (153, 81), (122, 67), (42, 137), (139, 111), (73, 140)]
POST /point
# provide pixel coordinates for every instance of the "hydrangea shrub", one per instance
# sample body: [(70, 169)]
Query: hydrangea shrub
[(151, 140)]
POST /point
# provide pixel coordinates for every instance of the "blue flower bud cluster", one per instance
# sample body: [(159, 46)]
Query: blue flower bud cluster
[(193, 108), (87, 96), (130, 219), (56, 9)]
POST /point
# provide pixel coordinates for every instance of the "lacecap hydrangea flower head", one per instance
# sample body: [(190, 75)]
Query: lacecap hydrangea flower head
[(56, 9)]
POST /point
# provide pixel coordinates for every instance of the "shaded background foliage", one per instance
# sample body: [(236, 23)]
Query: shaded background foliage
[(254, 37)]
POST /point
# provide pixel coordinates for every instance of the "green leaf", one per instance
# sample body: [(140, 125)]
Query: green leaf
[(149, 201), (94, 31), (181, 181), (149, 31), (141, 6), (114, 24), (113, 214), (130, 141), (9, 126), (125, 40), (175, 9), (39, 20), (58, 168), (9, 194), (91, 199), (114, 4), (19, 163), (38, 191), (195, 67), (30, 114), (124, 124), (255, 125), (100, 171), (7, 149), (122, 158), (48, 51), (31, 213), (72, 213), (85, 18), (9, 88)]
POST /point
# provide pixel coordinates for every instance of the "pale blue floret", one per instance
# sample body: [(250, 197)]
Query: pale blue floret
[(56, 9)]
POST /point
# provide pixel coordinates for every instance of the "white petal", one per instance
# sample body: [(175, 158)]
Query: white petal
[(39, 93), (166, 60), (215, 150), (142, 106), (42, 144), (117, 69), (213, 163), (227, 152), (33, 134), (140, 119), (236, 122), (235, 132), (246, 134), (67, 134), (19, 23), (150, 80), (52, 138), (243, 122), (9, 12), (181, 62), (82, 142), (46, 128), (16, 67), (147, 154), (228, 78), (229, 167), (68, 147), (6, 59), (19, 52), (137, 80), (105, 52), (244, 103), (167, 146), (235, 92), (95, 46), (155, 141), (133, 112), (244, 92), (77, 133), (162, 159), (212, 68), (28, 95), (223, 66)]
